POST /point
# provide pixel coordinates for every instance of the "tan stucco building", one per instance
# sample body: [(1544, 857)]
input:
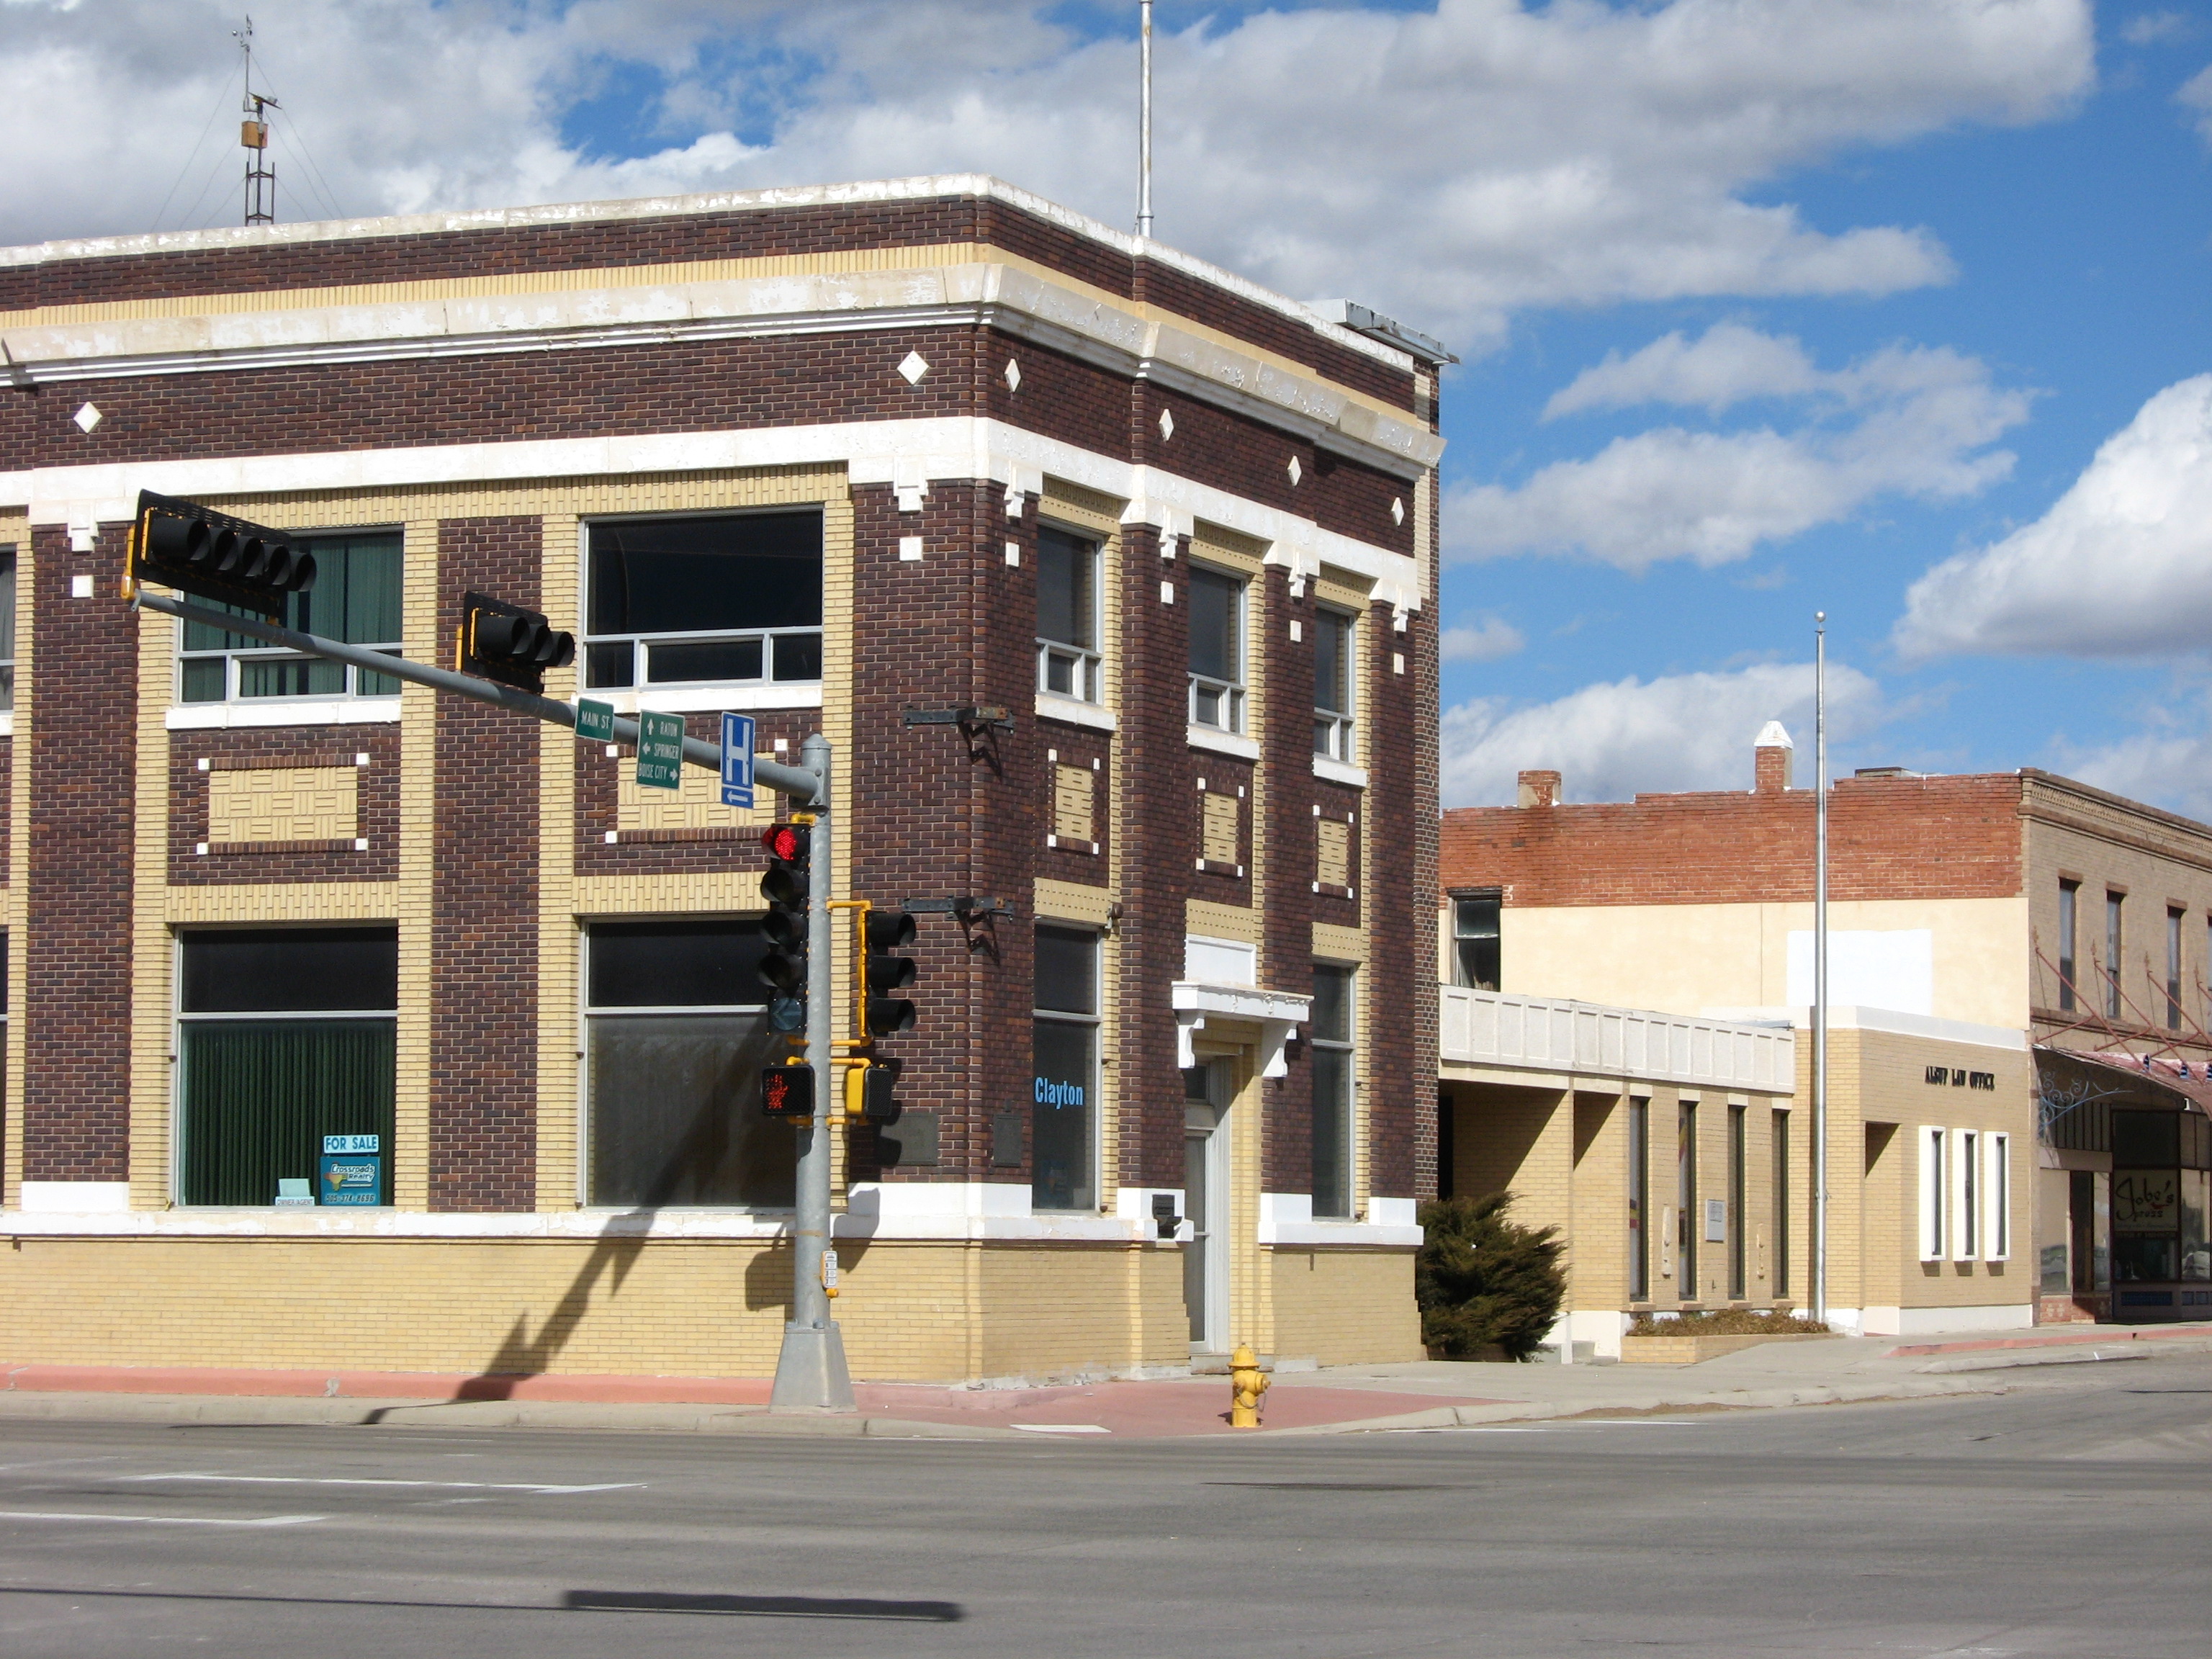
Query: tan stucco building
[(1984, 931)]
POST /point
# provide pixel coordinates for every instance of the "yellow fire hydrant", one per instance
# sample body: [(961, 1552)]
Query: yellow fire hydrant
[(1247, 1383)]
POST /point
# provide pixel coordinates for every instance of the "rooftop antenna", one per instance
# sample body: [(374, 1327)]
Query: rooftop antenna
[(1144, 122), (253, 135)]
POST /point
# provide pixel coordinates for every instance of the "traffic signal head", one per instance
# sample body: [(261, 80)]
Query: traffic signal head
[(504, 643), (868, 1092), (888, 932), (784, 885), (194, 548), (787, 1090)]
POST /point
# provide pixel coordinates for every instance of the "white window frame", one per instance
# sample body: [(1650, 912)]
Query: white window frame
[(234, 659), (1964, 1232), (1935, 1192), (1996, 1196), (1335, 730), (1227, 695), (1085, 669), (642, 644)]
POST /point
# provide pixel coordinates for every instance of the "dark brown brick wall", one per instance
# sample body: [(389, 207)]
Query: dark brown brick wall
[(484, 931), (76, 1002), (1285, 737), (1401, 963), (1157, 872), (285, 747), (954, 628), (675, 238), (1940, 838), (1065, 744)]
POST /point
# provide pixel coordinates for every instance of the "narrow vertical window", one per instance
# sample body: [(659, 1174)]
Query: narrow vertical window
[(1475, 941), (2069, 893), (1736, 1221), (2113, 940), (1639, 1199), (1217, 650), (1686, 1202), (1969, 1216), (1065, 1044), (1933, 1197), (1334, 679), (1068, 663), (7, 628), (1333, 1070), (1781, 1154), (2174, 916), (1997, 1196)]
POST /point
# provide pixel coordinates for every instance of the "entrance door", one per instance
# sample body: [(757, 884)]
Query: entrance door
[(1205, 1203)]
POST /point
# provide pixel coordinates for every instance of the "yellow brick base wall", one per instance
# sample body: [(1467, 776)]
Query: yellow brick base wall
[(1345, 1307), (677, 1308)]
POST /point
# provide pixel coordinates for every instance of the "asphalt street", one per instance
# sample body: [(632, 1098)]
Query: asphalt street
[(2074, 1521)]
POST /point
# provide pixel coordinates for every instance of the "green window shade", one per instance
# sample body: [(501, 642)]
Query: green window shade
[(355, 599), (260, 1095)]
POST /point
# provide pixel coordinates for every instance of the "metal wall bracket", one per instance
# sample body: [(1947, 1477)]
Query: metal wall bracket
[(970, 718)]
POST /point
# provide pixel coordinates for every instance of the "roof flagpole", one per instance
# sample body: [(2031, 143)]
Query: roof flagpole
[(1144, 121)]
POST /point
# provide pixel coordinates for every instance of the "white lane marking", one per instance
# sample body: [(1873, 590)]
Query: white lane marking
[(163, 1520), (1061, 1428), (362, 1480)]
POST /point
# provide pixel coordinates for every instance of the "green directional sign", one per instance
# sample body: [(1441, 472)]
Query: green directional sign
[(659, 750), (595, 721)]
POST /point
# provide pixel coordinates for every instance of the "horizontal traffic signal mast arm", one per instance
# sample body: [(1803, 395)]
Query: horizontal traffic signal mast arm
[(801, 786)]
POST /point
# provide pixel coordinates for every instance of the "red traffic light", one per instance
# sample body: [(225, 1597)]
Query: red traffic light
[(787, 842)]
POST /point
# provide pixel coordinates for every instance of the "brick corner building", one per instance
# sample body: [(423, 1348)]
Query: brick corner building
[(830, 457)]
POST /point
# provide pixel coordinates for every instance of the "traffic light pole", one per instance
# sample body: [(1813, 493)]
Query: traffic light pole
[(809, 1373)]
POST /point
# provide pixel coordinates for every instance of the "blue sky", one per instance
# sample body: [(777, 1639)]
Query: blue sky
[(1765, 307)]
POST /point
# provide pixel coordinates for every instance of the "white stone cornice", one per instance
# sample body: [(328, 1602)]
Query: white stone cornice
[(947, 449)]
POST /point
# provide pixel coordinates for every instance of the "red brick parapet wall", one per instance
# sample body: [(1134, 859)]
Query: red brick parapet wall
[(1888, 838)]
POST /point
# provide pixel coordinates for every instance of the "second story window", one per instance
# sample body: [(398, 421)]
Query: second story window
[(1333, 682), (1475, 941), (733, 598), (355, 600), (1068, 664), (2113, 940), (1217, 650), (2068, 897)]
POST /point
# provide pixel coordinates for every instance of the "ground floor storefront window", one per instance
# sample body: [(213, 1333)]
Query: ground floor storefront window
[(676, 1032), (285, 1040)]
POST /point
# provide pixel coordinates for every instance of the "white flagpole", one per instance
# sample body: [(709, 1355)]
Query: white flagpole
[(1144, 122)]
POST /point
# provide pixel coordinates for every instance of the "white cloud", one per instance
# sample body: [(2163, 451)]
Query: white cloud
[(1729, 364), (1907, 421), (1485, 640), (2149, 28), (2197, 94), (1680, 732), (2120, 566), (1449, 166)]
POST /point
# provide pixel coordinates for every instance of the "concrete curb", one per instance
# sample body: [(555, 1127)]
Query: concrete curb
[(211, 1411)]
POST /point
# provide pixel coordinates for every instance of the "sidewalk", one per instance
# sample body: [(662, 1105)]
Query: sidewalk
[(1353, 1398)]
